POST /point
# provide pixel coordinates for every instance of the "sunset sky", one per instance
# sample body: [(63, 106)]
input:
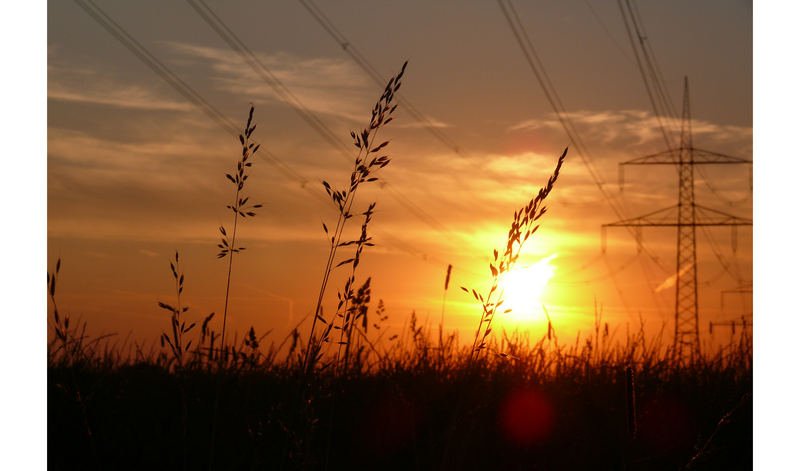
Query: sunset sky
[(135, 171)]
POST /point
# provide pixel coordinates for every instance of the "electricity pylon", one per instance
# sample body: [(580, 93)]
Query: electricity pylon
[(686, 216)]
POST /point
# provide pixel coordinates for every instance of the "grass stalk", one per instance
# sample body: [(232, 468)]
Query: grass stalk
[(523, 226), (240, 208), (364, 169)]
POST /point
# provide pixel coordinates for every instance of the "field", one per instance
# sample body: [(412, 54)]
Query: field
[(549, 407), (338, 395)]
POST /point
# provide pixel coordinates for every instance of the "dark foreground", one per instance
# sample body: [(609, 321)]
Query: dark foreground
[(418, 412)]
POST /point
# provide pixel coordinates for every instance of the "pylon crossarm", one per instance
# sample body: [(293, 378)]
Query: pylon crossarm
[(668, 157), (712, 217), (661, 217), (707, 157), (701, 156)]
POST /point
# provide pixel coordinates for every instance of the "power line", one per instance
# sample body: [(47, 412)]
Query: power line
[(367, 67), (360, 60), (540, 72), (229, 36), (689, 216), (226, 34), (662, 106), (652, 61), (721, 258), (616, 285), (718, 194), (605, 30), (611, 270), (185, 90), (643, 74), (552, 96), (668, 110), (649, 281), (686, 304)]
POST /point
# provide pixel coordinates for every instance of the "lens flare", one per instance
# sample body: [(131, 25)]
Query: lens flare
[(527, 417)]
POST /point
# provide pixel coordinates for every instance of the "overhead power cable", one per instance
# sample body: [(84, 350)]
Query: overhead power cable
[(661, 102), (367, 67), (162, 71), (184, 89), (656, 97), (435, 130), (648, 276), (540, 72), (610, 271), (663, 106), (234, 42), (655, 70), (605, 30), (226, 34)]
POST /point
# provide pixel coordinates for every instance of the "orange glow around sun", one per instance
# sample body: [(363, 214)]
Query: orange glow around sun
[(523, 288)]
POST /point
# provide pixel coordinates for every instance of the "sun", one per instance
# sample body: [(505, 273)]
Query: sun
[(523, 288)]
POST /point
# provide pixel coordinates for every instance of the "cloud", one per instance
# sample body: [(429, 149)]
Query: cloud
[(85, 85), (641, 129), (321, 85), (431, 122)]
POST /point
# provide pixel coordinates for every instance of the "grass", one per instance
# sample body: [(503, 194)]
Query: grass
[(240, 208), (398, 408), (365, 167), (349, 397), (523, 225)]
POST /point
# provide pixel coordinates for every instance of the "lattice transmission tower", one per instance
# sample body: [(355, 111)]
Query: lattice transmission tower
[(686, 216)]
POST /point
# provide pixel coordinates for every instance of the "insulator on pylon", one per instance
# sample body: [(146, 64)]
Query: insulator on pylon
[(750, 179), (710, 328), (621, 177)]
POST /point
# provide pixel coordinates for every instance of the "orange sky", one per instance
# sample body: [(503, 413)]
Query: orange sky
[(135, 171)]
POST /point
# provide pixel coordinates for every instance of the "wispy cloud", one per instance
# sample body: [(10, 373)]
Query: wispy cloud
[(322, 85), (88, 86), (431, 122), (640, 128)]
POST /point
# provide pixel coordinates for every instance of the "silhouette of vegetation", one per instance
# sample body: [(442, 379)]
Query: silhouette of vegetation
[(365, 167), (523, 226), (395, 409), (240, 207)]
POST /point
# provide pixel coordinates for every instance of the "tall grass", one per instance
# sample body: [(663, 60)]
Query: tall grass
[(365, 166), (258, 424), (240, 207), (178, 327), (523, 225), (70, 344)]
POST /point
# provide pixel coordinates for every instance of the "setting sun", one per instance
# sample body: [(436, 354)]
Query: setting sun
[(523, 288)]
